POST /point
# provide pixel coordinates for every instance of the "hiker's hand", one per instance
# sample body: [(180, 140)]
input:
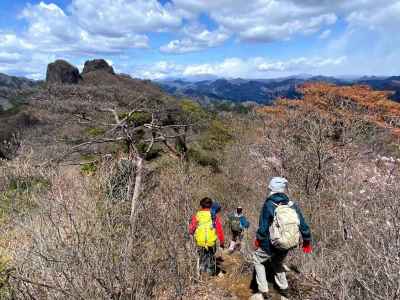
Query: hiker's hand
[(256, 244), (307, 248)]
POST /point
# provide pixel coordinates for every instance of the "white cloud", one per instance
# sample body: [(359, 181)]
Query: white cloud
[(90, 28), (257, 67), (263, 20), (9, 57), (17, 56), (371, 40), (301, 64), (196, 38), (325, 34), (273, 20), (180, 46), (51, 30), (284, 31), (230, 67), (115, 18), (386, 17), (9, 41), (28, 65), (158, 70)]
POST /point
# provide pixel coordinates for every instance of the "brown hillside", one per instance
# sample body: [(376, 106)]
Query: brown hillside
[(345, 101)]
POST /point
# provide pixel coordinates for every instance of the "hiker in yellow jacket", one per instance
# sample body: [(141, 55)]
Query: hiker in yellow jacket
[(206, 231)]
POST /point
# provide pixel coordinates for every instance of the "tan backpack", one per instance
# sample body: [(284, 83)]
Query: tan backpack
[(284, 230)]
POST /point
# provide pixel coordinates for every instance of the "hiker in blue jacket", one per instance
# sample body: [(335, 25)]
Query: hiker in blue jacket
[(215, 209), (237, 223), (265, 250)]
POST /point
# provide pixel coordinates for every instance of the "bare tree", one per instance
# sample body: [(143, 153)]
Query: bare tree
[(128, 132)]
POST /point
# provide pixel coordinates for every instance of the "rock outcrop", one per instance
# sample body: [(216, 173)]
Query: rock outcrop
[(97, 65), (62, 72)]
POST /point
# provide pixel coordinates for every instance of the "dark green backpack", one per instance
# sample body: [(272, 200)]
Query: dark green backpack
[(235, 223)]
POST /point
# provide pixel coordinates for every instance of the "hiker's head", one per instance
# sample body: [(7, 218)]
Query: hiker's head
[(278, 185), (206, 202), (239, 210), (216, 207)]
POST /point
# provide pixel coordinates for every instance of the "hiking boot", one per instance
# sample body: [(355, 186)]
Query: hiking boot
[(257, 296), (266, 296), (284, 293), (231, 248)]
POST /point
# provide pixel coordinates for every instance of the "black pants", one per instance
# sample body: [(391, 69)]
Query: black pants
[(207, 260), (237, 236)]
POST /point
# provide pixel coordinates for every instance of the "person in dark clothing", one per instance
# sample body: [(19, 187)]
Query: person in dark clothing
[(215, 209), (265, 251), (237, 224)]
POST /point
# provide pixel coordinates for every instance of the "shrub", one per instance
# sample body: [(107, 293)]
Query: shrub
[(193, 111), (117, 183), (81, 246), (204, 159), (217, 136), (95, 132), (17, 198), (136, 118), (27, 184), (154, 152), (89, 168)]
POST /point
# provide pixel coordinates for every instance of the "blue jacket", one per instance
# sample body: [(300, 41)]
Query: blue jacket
[(244, 223), (267, 217), (215, 208)]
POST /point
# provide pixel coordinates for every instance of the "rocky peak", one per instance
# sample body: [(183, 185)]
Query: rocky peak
[(62, 72), (97, 65)]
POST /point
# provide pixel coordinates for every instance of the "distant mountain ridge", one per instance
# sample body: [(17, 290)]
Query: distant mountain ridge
[(389, 84), (13, 82), (265, 91), (10, 87)]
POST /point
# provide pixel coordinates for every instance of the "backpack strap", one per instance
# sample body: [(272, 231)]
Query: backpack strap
[(290, 204)]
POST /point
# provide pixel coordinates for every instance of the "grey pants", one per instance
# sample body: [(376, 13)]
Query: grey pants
[(259, 259)]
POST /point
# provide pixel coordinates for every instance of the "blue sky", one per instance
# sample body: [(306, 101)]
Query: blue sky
[(196, 38)]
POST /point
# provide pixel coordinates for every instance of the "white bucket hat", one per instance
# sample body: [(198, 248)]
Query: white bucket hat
[(278, 185)]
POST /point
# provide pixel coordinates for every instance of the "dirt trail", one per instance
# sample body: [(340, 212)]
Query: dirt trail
[(236, 277), (236, 280)]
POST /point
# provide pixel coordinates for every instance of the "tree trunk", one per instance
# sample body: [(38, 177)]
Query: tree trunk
[(137, 190)]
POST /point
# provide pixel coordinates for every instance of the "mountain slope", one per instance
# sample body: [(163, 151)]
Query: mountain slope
[(14, 82), (12, 90), (265, 91)]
